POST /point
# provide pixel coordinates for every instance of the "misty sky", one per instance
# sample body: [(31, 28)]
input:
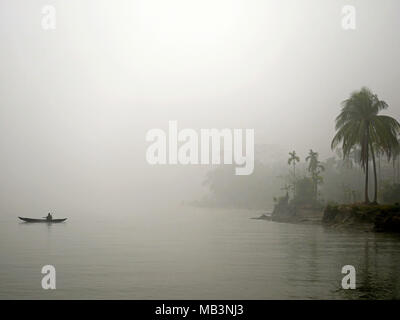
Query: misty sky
[(76, 102)]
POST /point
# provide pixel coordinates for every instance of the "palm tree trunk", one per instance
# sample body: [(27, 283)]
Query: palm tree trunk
[(366, 170), (294, 179), (375, 176), (315, 190), (398, 169), (379, 169), (366, 184)]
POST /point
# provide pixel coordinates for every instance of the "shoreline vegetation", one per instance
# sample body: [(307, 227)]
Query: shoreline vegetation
[(335, 192), (375, 218)]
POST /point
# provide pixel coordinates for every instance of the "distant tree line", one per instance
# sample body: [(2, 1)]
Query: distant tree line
[(363, 138)]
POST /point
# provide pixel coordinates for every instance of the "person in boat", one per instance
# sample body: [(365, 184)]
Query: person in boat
[(49, 217)]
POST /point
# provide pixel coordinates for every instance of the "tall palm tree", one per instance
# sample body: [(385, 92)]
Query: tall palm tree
[(359, 124), (315, 168), (293, 158), (396, 158)]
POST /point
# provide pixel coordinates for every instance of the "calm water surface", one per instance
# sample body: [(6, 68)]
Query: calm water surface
[(192, 253)]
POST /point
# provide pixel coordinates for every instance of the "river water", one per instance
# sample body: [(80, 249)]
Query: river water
[(193, 253)]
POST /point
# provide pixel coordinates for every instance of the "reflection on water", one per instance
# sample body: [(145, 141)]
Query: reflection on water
[(378, 277), (191, 253)]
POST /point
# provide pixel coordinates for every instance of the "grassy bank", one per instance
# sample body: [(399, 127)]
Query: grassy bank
[(383, 218)]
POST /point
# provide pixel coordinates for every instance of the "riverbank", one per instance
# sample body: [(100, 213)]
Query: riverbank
[(377, 218), (288, 212)]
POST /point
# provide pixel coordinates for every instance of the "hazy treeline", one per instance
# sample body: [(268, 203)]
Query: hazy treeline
[(364, 139), (341, 180)]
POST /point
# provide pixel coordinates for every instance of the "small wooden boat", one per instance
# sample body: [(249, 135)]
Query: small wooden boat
[(42, 220)]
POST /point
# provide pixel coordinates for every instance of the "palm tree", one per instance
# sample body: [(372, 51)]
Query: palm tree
[(379, 153), (359, 124), (396, 158), (315, 168), (292, 161)]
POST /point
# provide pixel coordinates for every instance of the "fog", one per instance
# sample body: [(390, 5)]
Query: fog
[(76, 102)]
